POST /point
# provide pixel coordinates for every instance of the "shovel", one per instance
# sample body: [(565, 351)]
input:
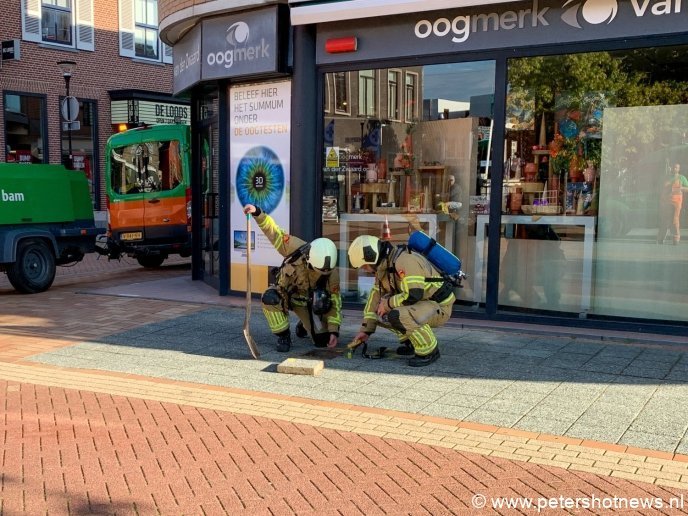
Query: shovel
[(252, 347)]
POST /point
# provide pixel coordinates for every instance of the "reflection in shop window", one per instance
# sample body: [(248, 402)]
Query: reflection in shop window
[(341, 92), (393, 94), (366, 93), (591, 140), (327, 98), (146, 167), (415, 174), (410, 95)]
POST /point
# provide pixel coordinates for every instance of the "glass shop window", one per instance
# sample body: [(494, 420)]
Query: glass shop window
[(419, 173), (24, 126), (595, 175)]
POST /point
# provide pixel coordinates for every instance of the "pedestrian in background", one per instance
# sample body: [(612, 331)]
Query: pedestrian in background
[(670, 203)]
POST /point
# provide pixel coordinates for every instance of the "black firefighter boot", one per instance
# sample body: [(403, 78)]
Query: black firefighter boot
[(423, 360), (300, 330), (283, 341), (405, 348)]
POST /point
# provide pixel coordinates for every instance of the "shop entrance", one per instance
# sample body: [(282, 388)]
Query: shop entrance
[(208, 141)]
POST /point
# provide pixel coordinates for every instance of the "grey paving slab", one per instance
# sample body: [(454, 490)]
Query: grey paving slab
[(619, 351), (515, 394), (457, 399), (671, 391), (420, 394), (544, 425), (652, 441), (623, 408), (657, 355), (600, 366), (608, 434), (535, 353), (490, 417), (448, 411), (567, 360), (583, 347), (560, 385), (393, 381), (404, 405), (506, 405), (646, 372), (681, 448), (558, 412), (660, 423), (618, 420)]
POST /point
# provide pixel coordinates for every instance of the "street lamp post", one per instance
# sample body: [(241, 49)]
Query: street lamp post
[(68, 68)]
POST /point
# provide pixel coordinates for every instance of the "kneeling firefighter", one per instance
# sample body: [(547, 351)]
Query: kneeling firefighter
[(307, 283), (410, 297)]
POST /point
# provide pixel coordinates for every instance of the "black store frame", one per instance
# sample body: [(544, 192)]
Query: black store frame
[(501, 57)]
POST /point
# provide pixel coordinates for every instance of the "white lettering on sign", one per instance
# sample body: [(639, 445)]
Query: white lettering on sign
[(186, 61), (230, 56), (12, 196), (593, 12)]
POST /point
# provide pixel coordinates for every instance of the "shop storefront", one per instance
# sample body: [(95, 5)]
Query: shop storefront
[(545, 144), (233, 69)]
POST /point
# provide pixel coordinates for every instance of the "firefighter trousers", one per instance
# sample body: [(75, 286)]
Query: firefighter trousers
[(415, 323), (278, 319)]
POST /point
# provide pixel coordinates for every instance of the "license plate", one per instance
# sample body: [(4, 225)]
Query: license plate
[(136, 235)]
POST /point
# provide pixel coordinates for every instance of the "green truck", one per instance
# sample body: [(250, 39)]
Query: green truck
[(46, 219)]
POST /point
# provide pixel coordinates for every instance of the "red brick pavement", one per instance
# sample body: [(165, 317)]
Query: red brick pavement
[(98, 269), (67, 451)]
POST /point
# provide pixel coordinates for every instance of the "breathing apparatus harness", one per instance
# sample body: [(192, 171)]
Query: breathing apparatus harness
[(318, 300)]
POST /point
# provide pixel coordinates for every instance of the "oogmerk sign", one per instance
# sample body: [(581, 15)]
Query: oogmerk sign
[(536, 22)]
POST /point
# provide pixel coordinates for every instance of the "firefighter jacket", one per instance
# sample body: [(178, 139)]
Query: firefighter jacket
[(403, 278), (295, 279)]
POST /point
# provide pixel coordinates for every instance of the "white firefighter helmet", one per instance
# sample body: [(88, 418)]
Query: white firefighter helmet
[(322, 254), (363, 250)]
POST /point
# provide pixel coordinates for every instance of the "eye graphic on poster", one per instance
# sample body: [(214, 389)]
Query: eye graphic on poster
[(260, 179)]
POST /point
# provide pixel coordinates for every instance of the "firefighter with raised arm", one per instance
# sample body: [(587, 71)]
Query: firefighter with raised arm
[(410, 297), (307, 283)]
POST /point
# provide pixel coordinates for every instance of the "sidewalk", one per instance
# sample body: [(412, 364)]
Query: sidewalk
[(114, 399)]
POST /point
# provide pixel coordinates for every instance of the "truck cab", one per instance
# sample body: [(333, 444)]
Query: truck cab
[(148, 188)]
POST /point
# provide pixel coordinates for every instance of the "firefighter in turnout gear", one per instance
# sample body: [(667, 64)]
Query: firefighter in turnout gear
[(409, 297), (307, 283)]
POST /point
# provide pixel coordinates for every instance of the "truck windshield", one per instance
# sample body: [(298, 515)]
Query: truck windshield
[(146, 167)]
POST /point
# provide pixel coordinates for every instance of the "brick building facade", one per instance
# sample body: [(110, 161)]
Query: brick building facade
[(33, 86)]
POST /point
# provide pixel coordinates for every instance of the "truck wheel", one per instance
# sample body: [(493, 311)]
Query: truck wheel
[(152, 261), (34, 270)]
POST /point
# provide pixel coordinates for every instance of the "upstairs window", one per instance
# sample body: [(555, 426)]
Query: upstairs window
[(146, 35), (56, 21), (138, 31), (67, 23)]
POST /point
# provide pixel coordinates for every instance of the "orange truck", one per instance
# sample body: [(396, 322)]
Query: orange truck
[(148, 185)]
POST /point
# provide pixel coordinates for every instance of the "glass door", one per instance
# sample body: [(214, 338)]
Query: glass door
[(208, 135)]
